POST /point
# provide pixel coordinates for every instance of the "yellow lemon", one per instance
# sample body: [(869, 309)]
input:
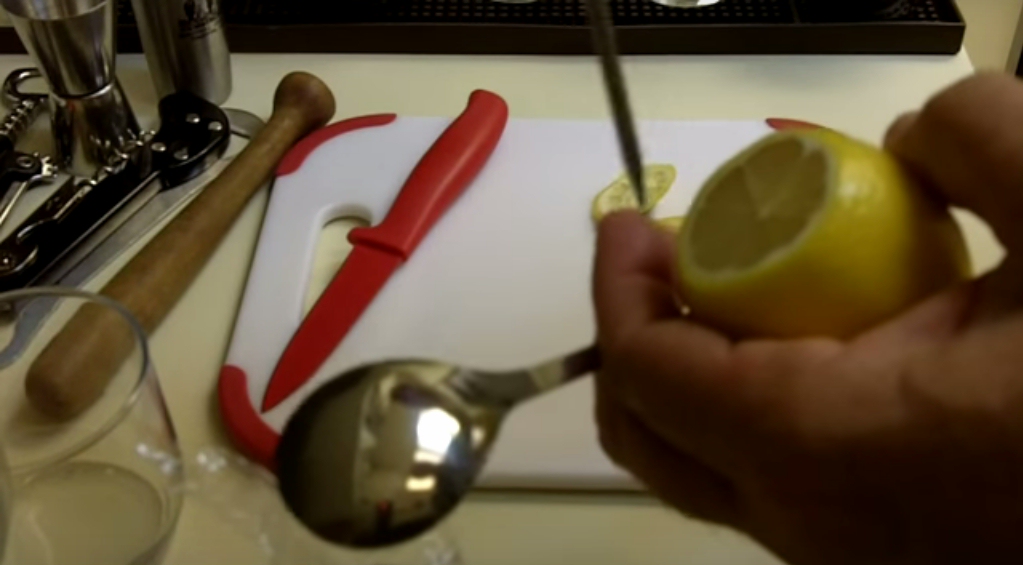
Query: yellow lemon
[(619, 195), (809, 232)]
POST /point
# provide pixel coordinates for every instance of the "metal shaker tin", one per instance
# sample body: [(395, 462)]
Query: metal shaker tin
[(185, 47)]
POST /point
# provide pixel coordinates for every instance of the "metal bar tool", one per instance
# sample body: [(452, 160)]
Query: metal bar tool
[(185, 47), (72, 42)]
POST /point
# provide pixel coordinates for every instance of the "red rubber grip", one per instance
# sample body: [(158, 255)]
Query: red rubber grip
[(440, 177)]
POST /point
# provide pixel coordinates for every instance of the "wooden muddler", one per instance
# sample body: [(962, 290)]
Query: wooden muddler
[(78, 363)]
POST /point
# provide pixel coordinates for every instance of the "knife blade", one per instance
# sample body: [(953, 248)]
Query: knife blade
[(440, 177), (614, 81)]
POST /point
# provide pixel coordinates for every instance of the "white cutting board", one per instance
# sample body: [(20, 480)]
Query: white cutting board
[(502, 281)]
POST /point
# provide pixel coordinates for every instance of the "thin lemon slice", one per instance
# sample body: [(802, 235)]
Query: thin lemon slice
[(813, 233), (620, 196)]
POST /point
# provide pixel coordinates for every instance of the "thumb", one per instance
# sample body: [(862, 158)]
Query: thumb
[(632, 276), (968, 144)]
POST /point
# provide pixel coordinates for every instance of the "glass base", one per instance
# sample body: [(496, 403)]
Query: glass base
[(85, 513)]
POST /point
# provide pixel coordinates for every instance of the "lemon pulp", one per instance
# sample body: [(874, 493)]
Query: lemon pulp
[(810, 232)]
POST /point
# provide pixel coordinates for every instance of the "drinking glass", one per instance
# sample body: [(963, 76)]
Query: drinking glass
[(239, 504), (104, 487), (6, 505)]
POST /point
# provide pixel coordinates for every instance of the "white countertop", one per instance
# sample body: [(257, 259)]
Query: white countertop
[(859, 95)]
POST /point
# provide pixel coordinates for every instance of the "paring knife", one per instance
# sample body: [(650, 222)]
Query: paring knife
[(441, 176), (607, 50)]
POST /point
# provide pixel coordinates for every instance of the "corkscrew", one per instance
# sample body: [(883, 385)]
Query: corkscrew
[(20, 171)]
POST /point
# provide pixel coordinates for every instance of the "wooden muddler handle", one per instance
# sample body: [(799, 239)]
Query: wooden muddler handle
[(78, 363)]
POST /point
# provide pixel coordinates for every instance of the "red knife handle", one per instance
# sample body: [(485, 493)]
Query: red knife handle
[(440, 177)]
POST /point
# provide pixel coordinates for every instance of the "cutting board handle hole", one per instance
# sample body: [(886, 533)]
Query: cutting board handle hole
[(332, 248)]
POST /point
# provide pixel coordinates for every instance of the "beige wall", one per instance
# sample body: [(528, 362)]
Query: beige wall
[(990, 28)]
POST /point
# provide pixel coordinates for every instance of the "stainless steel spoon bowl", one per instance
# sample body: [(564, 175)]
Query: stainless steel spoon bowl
[(383, 452)]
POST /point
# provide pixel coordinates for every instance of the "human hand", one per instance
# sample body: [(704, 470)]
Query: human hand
[(902, 445)]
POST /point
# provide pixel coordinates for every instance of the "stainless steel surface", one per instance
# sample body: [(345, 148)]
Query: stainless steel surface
[(149, 209), (185, 47), (383, 452), (607, 49), (90, 131), (243, 123), (72, 41)]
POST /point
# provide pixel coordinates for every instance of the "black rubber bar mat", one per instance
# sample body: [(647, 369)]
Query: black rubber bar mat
[(559, 27)]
